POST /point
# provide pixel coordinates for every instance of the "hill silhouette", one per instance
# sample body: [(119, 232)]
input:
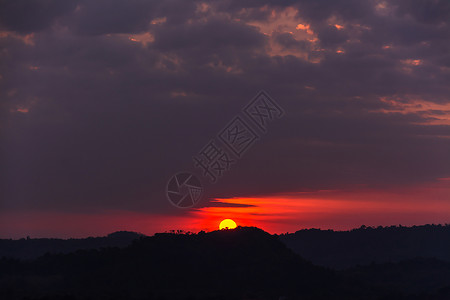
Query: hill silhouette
[(417, 276), (244, 263), (365, 245), (335, 249), (33, 248)]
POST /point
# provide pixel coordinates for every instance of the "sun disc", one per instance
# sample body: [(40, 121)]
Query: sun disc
[(227, 224)]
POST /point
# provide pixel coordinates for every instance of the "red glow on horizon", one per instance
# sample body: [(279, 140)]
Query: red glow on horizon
[(332, 209), (335, 209)]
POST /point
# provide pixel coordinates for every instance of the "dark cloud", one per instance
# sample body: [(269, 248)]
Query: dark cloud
[(288, 41), (330, 36), (210, 37), (100, 109), (25, 16), (112, 16), (432, 12)]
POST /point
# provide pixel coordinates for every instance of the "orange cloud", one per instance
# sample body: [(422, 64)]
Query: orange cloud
[(432, 113), (27, 39), (143, 38), (287, 21)]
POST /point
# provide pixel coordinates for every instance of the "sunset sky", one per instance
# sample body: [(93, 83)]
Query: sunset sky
[(102, 102)]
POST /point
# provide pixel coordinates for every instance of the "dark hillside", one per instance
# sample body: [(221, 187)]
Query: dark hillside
[(343, 249)]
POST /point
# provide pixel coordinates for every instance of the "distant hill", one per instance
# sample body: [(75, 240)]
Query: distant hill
[(335, 249), (33, 248), (244, 263), (415, 276), (343, 249), (231, 264)]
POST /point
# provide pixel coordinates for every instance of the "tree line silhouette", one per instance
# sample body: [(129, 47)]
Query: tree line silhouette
[(244, 263)]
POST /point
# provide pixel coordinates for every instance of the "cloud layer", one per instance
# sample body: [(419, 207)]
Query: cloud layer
[(102, 101)]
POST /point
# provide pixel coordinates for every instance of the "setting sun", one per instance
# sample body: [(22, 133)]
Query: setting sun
[(227, 224)]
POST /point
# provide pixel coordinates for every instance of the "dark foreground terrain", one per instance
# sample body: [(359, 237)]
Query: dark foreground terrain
[(245, 263), (366, 245)]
